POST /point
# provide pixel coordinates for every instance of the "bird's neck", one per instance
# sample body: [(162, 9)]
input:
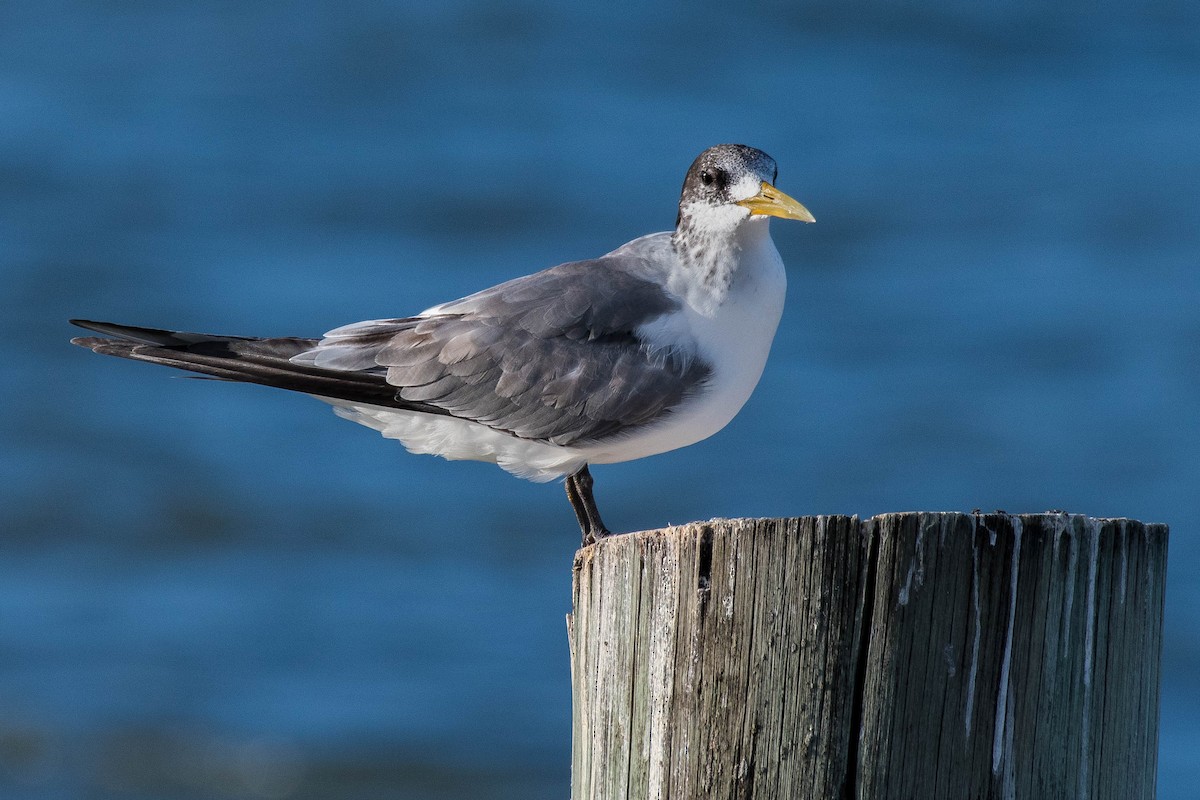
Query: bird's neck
[(710, 255)]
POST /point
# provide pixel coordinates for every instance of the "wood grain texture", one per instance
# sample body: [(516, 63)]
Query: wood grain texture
[(906, 656)]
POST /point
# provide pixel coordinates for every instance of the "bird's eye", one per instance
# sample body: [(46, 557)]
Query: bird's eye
[(706, 178)]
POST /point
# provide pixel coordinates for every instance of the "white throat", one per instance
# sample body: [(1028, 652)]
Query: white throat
[(719, 247)]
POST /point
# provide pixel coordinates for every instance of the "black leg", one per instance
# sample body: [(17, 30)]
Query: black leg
[(579, 492), (577, 506)]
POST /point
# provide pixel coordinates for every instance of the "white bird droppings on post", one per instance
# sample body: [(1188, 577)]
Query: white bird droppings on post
[(1123, 543), (975, 637), (916, 567), (1069, 603), (1085, 745), (1005, 677)]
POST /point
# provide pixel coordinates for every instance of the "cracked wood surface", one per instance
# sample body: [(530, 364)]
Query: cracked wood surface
[(918, 655)]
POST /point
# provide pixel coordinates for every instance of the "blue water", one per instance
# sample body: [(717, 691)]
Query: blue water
[(211, 590)]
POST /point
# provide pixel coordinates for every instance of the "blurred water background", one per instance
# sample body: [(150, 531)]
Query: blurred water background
[(224, 591)]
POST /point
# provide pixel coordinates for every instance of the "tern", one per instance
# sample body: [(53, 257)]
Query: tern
[(652, 347)]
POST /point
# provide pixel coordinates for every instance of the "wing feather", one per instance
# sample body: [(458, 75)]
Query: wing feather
[(553, 356)]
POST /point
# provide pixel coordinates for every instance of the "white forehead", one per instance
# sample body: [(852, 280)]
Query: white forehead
[(748, 185)]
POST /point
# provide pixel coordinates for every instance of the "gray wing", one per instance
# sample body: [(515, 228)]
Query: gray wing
[(553, 356)]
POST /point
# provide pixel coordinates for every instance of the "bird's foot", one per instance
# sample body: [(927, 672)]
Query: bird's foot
[(579, 492), (590, 537)]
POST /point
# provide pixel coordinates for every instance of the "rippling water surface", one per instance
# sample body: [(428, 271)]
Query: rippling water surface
[(211, 590)]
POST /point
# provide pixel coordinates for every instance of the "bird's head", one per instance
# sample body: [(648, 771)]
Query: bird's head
[(730, 184)]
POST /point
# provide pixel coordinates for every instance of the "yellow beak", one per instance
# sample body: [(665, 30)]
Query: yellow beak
[(774, 203)]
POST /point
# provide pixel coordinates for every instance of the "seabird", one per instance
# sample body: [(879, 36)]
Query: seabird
[(652, 347)]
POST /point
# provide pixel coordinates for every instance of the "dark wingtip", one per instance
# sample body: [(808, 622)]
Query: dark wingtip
[(140, 335), (91, 342), (88, 324)]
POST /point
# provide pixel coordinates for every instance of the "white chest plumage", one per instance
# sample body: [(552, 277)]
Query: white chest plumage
[(732, 334)]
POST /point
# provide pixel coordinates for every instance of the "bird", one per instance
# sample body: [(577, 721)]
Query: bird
[(649, 348)]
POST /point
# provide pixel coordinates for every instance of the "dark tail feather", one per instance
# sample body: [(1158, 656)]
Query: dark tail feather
[(248, 360), (156, 335)]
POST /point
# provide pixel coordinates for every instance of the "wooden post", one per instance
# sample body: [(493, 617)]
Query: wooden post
[(912, 656)]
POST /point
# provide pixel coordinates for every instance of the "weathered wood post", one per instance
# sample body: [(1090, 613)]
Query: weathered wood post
[(912, 656)]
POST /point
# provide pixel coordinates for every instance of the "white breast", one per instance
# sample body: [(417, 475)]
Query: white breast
[(734, 338)]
